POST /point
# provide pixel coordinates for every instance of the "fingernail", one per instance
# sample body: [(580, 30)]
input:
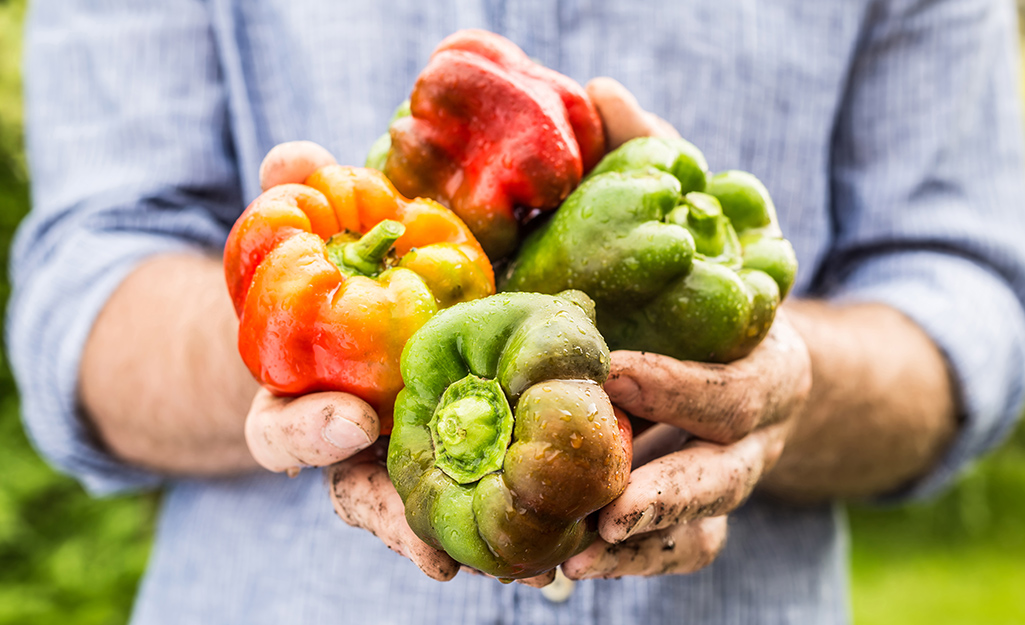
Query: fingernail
[(345, 435), (599, 566), (622, 387), (642, 523)]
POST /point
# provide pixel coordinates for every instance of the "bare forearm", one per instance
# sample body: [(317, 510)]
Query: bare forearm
[(881, 408), (161, 379)]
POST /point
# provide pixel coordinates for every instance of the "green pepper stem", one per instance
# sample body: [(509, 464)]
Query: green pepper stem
[(463, 426), (471, 429), (704, 214), (366, 254)]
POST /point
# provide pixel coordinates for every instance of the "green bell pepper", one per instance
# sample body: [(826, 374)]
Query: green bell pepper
[(504, 440), (677, 262)]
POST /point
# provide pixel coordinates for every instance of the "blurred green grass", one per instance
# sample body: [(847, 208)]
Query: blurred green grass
[(64, 557), (957, 560), (67, 558)]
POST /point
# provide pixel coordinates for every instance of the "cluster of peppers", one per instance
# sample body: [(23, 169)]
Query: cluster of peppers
[(503, 441)]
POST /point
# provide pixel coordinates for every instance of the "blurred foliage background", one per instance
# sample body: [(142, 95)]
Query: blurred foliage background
[(67, 558), (64, 557)]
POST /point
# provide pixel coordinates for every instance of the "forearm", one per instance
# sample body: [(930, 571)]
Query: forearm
[(881, 410), (161, 379)]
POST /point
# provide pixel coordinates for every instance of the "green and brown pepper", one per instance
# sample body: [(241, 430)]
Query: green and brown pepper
[(504, 440)]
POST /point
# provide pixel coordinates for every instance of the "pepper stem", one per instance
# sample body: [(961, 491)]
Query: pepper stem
[(462, 425), (705, 214), (471, 429), (366, 254)]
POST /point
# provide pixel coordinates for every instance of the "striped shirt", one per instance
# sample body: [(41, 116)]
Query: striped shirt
[(888, 132)]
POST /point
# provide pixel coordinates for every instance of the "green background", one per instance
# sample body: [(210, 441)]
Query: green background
[(66, 558)]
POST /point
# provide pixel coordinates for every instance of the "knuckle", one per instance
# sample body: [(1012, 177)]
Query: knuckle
[(572, 569), (305, 441), (434, 564), (710, 540), (748, 413), (667, 497), (739, 418), (343, 512)]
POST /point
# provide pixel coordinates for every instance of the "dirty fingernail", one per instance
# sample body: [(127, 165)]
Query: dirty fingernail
[(346, 436), (600, 565), (622, 388), (642, 523)]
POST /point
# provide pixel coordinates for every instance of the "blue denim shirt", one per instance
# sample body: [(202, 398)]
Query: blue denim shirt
[(888, 133)]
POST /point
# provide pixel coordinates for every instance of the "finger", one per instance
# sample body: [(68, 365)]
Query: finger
[(622, 115), (363, 496), (657, 441), (721, 403), (701, 480), (293, 161), (683, 548), (315, 430), (538, 581), (664, 128)]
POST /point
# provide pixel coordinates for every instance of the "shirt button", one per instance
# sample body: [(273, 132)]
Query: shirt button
[(560, 590)]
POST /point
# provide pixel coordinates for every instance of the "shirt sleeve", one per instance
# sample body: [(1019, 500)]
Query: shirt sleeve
[(927, 184), (130, 150)]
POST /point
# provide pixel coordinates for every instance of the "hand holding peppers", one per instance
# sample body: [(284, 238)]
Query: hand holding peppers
[(609, 561), (671, 519)]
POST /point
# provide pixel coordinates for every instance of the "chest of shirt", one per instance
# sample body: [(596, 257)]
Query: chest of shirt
[(755, 84)]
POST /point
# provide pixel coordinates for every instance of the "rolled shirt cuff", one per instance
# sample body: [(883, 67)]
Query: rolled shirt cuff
[(49, 320)]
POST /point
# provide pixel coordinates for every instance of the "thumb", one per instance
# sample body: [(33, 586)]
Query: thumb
[(286, 433), (622, 115), (293, 161)]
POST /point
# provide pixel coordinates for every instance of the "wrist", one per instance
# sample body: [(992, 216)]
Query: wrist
[(881, 410)]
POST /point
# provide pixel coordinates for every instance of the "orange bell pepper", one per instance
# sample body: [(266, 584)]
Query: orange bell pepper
[(322, 308)]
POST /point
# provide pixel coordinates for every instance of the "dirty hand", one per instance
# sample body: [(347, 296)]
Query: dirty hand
[(363, 496), (671, 519)]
